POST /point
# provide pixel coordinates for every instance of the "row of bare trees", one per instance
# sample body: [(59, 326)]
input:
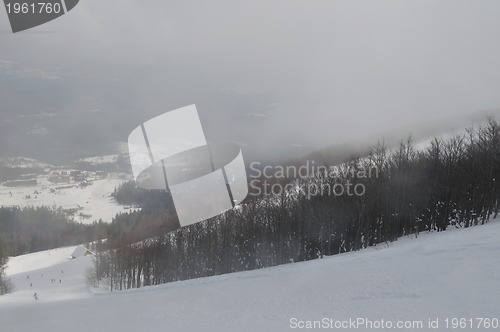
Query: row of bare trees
[(452, 182), (5, 286)]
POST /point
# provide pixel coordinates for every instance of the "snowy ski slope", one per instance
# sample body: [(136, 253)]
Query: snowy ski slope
[(441, 275)]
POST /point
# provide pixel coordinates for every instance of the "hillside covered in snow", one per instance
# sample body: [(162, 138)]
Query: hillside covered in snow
[(445, 275)]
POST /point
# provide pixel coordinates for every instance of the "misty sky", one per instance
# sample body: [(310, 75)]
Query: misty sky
[(273, 75)]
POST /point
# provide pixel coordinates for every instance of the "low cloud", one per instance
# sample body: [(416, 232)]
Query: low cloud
[(318, 73)]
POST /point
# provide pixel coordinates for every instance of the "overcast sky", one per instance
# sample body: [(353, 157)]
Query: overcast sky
[(275, 75)]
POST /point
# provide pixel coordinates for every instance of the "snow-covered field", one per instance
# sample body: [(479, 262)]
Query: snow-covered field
[(455, 274), (22, 162), (89, 203), (84, 195), (99, 160)]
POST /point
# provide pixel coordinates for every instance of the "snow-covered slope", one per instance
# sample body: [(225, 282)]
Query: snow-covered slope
[(52, 274), (455, 274)]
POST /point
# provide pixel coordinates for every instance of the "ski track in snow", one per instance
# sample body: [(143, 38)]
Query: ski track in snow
[(450, 274)]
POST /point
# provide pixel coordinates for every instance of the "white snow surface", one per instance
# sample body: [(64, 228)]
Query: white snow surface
[(22, 162), (99, 160), (450, 274), (91, 203)]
